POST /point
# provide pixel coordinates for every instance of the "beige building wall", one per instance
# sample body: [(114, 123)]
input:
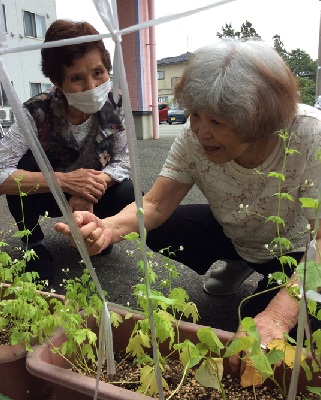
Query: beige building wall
[(172, 72)]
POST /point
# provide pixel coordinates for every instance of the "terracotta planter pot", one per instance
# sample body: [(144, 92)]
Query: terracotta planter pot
[(69, 385), (15, 381)]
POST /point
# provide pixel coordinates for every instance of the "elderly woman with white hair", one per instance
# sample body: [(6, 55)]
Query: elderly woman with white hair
[(239, 96)]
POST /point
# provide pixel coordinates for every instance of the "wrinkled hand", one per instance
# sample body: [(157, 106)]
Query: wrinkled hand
[(77, 203), (269, 327), (86, 183), (96, 235)]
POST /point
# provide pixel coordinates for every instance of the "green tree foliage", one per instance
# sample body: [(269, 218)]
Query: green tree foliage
[(247, 31), (307, 90), (300, 63), (227, 31), (303, 67), (279, 46)]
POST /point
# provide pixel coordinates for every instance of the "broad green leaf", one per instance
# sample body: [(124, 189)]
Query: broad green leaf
[(276, 175), (164, 327), (208, 336), (20, 234), (284, 196), (291, 151), (312, 275), (92, 337), (262, 365), (307, 202), (131, 236), (276, 220), (5, 259), (87, 352), (239, 344), (162, 299), (316, 390), (210, 373), (249, 326), (179, 294), (248, 323), (81, 335), (288, 260), (282, 241), (274, 356), (189, 354), (307, 370)]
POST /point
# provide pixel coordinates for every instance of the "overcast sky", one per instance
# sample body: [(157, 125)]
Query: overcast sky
[(296, 21)]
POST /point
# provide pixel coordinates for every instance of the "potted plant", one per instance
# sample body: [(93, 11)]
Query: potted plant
[(58, 358), (162, 324), (205, 348), (26, 317)]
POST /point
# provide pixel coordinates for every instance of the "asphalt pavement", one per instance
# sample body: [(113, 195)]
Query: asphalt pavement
[(118, 272)]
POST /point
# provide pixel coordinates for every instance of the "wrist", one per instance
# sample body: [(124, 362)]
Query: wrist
[(283, 309), (59, 176)]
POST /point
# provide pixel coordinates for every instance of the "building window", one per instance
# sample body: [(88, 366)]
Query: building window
[(3, 97), (160, 75), (35, 25), (174, 80), (163, 99), (36, 88), (4, 16)]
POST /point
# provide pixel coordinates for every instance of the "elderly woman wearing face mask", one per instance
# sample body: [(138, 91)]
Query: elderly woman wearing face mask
[(81, 130)]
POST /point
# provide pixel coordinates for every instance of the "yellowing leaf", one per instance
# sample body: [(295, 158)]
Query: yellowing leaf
[(191, 311), (145, 339), (288, 349), (210, 373), (250, 376), (148, 381), (135, 345), (115, 319)]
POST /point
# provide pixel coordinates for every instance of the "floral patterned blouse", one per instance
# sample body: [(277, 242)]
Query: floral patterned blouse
[(241, 199)]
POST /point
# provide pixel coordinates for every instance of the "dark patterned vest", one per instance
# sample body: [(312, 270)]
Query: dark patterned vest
[(48, 113)]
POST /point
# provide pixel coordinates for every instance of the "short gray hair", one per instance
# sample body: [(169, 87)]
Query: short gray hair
[(246, 82)]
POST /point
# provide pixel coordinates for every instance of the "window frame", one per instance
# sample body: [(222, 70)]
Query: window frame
[(4, 102), (174, 80), (41, 87), (34, 25), (4, 17), (160, 75)]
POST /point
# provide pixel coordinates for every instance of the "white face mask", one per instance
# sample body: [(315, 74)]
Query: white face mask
[(90, 101)]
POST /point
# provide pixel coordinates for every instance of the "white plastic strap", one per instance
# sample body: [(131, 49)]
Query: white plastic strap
[(118, 34)]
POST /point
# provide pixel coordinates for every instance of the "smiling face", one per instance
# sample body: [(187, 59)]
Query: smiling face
[(85, 73), (218, 137)]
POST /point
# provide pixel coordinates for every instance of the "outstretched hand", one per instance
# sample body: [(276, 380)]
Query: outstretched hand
[(97, 236)]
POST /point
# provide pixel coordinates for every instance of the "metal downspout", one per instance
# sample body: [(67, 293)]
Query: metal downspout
[(153, 71)]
